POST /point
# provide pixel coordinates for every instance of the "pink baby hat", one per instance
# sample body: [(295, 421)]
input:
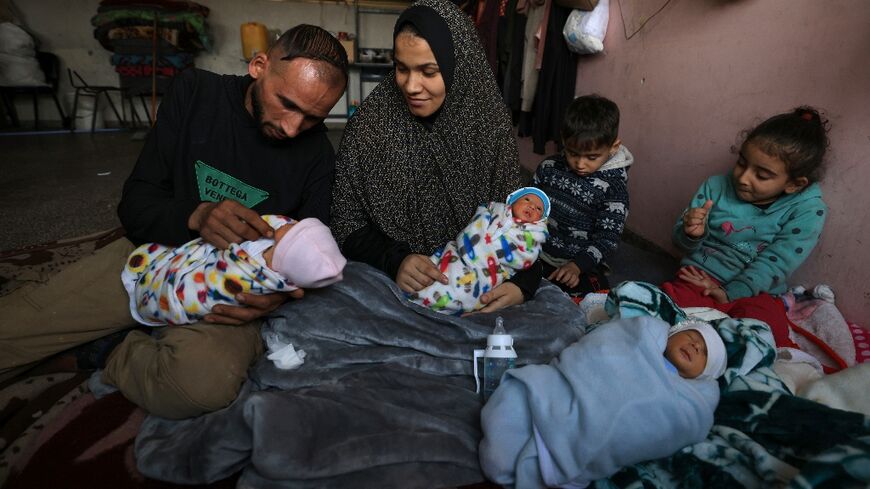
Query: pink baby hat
[(308, 255)]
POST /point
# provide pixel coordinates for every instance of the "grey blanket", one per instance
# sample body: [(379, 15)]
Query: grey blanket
[(385, 397)]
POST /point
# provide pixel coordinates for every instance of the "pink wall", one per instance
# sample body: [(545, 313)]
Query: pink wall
[(703, 70)]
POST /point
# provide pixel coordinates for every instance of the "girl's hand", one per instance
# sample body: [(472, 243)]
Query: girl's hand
[(700, 278), (568, 274), (695, 220), (418, 272)]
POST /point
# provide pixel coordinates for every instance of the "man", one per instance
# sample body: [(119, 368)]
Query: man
[(224, 150)]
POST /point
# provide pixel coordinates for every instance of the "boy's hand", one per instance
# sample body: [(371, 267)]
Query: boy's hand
[(695, 220), (700, 278), (568, 274)]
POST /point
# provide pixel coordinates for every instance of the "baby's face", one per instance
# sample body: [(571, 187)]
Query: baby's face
[(528, 208), (688, 352), (282, 231)]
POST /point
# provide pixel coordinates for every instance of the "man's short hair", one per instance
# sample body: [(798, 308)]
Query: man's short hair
[(312, 42), (591, 121)]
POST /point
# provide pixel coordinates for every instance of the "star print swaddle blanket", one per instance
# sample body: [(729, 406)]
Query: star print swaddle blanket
[(484, 254), (181, 285)]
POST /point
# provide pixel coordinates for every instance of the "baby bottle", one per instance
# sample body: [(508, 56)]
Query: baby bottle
[(498, 356)]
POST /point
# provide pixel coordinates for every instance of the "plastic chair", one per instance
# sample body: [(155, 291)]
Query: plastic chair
[(83, 89), (50, 65)]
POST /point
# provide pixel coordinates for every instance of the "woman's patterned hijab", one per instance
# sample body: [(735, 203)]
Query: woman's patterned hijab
[(421, 183)]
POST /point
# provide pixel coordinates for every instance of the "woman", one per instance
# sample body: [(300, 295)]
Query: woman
[(431, 143)]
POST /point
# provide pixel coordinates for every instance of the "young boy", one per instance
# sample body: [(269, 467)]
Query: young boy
[(588, 188)]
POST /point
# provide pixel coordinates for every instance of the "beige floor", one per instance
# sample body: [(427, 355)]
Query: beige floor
[(61, 185)]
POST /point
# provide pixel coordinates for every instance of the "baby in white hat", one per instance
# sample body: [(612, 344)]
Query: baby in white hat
[(181, 285), (695, 350)]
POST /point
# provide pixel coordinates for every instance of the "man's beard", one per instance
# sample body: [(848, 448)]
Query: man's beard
[(257, 107)]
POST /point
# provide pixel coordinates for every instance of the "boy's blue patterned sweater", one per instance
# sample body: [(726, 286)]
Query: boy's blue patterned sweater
[(587, 213)]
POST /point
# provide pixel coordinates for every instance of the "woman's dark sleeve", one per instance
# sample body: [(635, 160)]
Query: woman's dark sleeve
[(370, 245), (529, 279)]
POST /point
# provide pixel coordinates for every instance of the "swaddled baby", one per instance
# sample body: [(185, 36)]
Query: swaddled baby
[(501, 239), (631, 390), (181, 285)]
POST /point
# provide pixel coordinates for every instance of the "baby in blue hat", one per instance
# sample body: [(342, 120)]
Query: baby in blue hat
[(501, 239)]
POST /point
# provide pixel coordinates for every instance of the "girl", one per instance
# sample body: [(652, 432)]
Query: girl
[(746, 232)]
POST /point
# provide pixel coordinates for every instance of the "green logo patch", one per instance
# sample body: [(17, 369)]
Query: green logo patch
[(215, 186)]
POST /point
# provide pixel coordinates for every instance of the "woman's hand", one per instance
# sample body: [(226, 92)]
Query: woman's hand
[(506, 294), (568, 274), (695, 220), (700, 278), (253, 307), (418, 272)]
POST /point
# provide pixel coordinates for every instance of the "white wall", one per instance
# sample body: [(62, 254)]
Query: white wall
[(63, 27)]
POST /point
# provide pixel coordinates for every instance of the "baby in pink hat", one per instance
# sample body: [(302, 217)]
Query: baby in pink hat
[(181, 285)]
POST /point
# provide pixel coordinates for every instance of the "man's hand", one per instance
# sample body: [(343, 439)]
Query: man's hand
[(700, 278), (253, 307), (418, 272), (225, 222), (506, 294), (695, 220), (568, 274)]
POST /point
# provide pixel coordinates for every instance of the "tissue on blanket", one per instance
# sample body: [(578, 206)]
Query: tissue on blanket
[(589, 429), (283, 355)]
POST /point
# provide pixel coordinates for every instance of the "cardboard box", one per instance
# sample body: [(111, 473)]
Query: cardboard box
[(578, 4), (350, 47)]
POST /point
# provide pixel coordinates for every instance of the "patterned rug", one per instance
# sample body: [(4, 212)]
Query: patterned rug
[(37, 263), (53, 431), (87, 443)]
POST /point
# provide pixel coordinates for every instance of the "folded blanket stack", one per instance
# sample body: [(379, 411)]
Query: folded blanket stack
[(127, 28)]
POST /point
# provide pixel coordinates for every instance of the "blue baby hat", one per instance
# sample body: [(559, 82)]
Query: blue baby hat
[(516, 194)]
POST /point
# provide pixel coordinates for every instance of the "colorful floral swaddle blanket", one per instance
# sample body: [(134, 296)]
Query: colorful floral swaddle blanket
[(181, 285)]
